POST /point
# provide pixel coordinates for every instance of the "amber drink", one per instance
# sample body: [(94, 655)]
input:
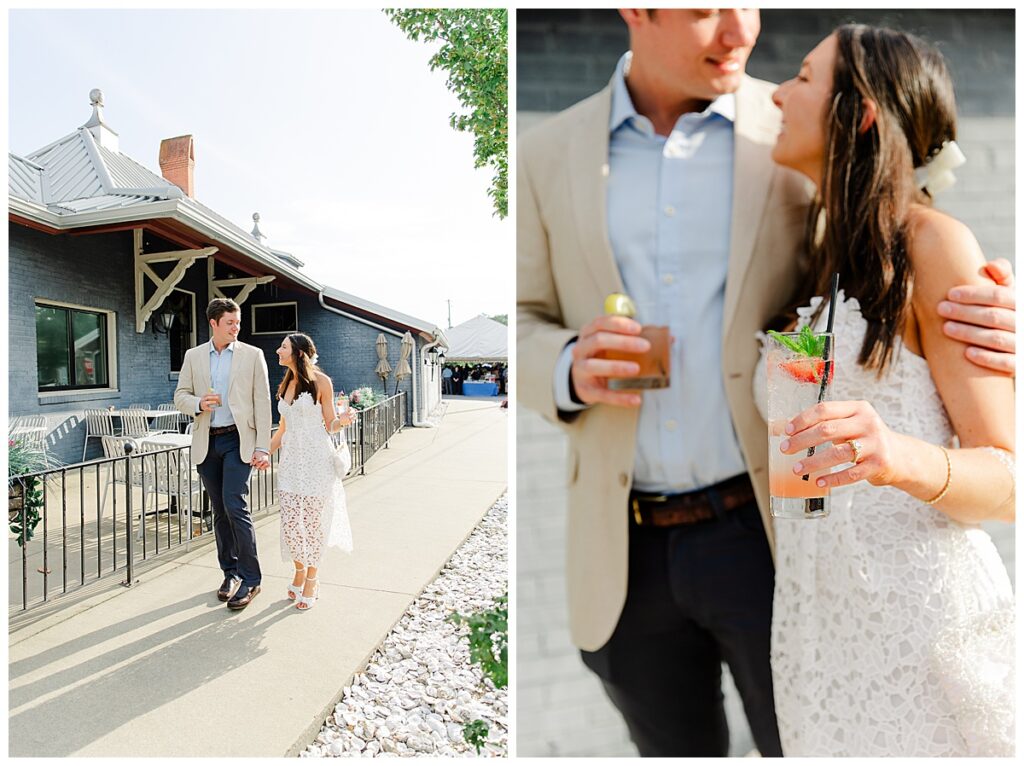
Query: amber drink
[(654, 363)]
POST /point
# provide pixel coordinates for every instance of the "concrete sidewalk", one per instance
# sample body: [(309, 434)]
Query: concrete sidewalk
[(164, 669)]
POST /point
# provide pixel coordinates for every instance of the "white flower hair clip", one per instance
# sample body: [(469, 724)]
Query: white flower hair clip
[(936, 175), (314, 359)]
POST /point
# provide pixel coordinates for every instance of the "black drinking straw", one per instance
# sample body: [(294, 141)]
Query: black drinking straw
[(828, 351)]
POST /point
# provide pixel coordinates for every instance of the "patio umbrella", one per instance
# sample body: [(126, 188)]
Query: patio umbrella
[(383, 367), (403, 370)]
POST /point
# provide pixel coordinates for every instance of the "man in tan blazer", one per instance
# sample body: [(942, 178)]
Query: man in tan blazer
[(666, 581), (225, 385)]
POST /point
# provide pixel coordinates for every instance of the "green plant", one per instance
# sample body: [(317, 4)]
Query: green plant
[(488, 648), (475, 733), (474, 53), (364, 398), (25, 496)]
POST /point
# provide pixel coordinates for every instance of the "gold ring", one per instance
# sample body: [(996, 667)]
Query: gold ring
[(857, 448)]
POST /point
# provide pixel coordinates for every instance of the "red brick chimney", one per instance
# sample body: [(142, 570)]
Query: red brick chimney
[(178, 162)]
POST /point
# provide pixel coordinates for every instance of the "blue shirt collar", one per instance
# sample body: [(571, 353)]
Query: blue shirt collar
[(623, 109), (230, 347)]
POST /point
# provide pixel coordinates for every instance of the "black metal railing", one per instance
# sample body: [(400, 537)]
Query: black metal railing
[(105, 517), (373, 429)]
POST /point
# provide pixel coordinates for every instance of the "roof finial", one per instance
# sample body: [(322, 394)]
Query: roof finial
[(100, 130), (96, 100), (256, 233)]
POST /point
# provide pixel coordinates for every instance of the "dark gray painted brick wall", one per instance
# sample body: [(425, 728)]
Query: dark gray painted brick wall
[(97, 271), (565, 55)]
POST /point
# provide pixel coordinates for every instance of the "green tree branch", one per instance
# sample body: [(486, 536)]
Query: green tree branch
[(474, 53)]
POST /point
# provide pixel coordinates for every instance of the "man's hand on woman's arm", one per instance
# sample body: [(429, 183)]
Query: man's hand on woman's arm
[(984, 318)]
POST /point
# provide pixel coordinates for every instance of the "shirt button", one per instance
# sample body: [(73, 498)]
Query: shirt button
[(670, 211), (668, 279), (623, 479), (670, 425)]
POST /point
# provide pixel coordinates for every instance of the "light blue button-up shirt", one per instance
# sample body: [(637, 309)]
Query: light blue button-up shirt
[(220, 379), (669, 213)]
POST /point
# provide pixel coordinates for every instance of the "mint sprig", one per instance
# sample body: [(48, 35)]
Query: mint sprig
[(805, 344)]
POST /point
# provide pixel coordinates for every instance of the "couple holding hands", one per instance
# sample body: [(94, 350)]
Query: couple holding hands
[(224, 384)]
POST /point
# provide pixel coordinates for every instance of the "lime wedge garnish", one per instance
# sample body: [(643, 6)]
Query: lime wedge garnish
[(618, 304)]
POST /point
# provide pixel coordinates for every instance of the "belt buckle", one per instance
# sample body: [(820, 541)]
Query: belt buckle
[(647, 499)]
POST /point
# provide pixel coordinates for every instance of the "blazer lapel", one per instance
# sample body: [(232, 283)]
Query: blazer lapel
[(588, 185), (752, 174)]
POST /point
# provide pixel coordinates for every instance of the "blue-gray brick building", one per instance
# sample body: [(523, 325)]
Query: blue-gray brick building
[(111, 266)]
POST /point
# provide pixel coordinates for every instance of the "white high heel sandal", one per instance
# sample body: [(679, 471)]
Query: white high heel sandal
[(295, 591), (304, 603)]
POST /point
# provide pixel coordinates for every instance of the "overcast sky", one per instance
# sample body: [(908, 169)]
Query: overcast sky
[(328, 123)]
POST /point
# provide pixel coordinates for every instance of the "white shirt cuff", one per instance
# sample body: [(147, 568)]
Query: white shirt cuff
[(563, 368)]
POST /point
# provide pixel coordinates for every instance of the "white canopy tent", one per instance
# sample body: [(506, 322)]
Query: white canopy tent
[(480, 339)]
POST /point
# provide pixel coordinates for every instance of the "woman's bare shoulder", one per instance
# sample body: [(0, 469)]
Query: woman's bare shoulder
[(944, 253)]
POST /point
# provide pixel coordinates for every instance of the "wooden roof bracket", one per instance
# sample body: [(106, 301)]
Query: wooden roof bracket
[(248, 284), (185, 258)]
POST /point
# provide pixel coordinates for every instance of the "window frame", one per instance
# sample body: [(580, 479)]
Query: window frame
[(255, 306), (111, 348)]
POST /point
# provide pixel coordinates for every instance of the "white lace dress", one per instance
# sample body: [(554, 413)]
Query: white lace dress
[(892, 623), (313, 509)]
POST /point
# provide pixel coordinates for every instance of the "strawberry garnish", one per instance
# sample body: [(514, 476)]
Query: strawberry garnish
[(807, 370)]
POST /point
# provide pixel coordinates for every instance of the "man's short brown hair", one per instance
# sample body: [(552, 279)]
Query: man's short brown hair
[(218, 307)]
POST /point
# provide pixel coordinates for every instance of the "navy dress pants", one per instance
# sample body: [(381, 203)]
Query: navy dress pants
[(226, 479), (698, 595)]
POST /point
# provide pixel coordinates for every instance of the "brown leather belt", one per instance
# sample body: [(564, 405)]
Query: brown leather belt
[(647, 510), (222, 430)]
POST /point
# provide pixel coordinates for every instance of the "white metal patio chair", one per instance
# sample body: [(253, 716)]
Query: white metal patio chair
[(176, 478), (169, 423), (135, 423), (114, 447), (98, 423)]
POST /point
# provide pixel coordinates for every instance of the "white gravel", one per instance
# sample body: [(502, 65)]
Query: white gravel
[(420, 687)]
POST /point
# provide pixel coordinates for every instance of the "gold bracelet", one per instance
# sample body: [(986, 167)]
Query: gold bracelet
[(949, 479)]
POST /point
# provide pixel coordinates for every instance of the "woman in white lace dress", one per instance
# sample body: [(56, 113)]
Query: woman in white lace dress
[(893, 618), (313, 512)]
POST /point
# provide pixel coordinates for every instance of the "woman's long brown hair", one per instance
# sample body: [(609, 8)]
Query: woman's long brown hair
[(868, 182), (303, 350)]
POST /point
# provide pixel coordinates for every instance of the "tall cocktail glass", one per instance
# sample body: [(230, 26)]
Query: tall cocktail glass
[(795, 383)]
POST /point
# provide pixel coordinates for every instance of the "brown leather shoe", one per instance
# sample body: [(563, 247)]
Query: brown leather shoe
[(244, 595), (229, 587)]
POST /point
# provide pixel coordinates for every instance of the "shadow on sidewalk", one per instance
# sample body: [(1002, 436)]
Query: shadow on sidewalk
[(88, 700)]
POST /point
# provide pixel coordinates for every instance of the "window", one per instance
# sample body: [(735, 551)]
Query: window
[(275, 318), (72, 347)]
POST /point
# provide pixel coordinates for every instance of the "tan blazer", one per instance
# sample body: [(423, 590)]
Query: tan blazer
[(248, 397), (565, 270)]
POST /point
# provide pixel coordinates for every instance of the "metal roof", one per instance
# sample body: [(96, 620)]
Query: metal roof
[(126, 173), (381, 311), (70, 171), (76, 182), (24, 178), (104, 202)]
